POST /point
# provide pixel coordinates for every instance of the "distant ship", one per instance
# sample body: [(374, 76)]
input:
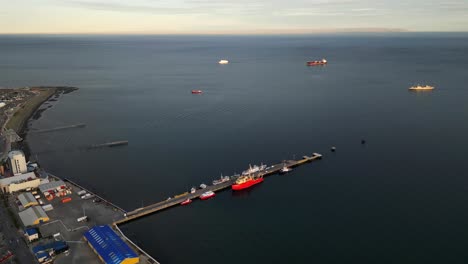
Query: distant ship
[(223, 62), (317, 62), (421, 88), (254, 169), (207, 195), (197, 91), (246, 181)]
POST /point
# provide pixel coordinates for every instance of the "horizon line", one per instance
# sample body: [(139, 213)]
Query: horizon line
[(240, 33)]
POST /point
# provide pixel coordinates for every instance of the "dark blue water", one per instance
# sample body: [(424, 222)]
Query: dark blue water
[(401, 198)]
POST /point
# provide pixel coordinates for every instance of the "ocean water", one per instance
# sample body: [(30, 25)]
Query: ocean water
[(400, 198)]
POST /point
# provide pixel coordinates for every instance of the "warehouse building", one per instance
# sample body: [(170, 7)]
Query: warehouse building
[(27, 200), (52, 186), (19, 182), (33, 216), (110, 248)]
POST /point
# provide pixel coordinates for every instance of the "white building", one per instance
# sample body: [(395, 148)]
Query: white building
[(17, 162), (19, 182)]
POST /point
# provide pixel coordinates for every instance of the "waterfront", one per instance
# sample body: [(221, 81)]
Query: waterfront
[(401, 195)]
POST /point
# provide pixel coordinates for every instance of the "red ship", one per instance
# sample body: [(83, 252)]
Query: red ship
[(207, 195), (316, 63), (188, 201), (246, 181), (197, 91)]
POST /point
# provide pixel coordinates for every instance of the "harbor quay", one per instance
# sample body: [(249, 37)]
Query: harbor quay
[(63, 222)]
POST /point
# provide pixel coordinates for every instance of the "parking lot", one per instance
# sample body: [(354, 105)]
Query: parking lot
[(63, 224)]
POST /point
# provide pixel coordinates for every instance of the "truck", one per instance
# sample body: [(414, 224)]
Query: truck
[(48, 207), (82, 219)]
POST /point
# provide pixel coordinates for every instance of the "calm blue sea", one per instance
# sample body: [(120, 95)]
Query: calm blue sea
[(400, 198)]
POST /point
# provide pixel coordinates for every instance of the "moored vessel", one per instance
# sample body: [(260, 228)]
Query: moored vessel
[(246, 181), (254, 169), (221, 180), (317, 62), (207, 195), (285, 169), (185, 202), (421, 88)]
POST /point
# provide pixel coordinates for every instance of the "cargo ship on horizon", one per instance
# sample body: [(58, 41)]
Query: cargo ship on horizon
[(317, 62)]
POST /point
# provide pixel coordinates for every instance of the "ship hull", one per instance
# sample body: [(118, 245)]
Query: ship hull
[(245, 185), (207, 197), (314, 63), (186, 202)]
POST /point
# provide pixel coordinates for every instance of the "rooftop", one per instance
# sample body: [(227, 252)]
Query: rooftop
[(109, 245)]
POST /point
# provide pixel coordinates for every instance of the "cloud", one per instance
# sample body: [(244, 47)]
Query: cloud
[(120, 7)]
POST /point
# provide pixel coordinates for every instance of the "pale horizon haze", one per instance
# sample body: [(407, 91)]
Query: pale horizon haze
[(229, 16)]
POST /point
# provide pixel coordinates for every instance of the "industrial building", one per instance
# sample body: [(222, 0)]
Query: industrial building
[(45, 252), (27, 200), (31, 234), (17, 162), (52, 186), (33, 216), (19, 182), (110, 248)]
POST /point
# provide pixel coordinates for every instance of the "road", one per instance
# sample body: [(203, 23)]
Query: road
[(13, 238)]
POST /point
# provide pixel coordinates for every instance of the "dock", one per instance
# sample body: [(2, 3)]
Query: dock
[(81, 125), (110, 144), (176, 200)]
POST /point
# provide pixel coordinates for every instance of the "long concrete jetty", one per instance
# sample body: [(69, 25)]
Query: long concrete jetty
[(176, 200), (58, 128), (109, 144)]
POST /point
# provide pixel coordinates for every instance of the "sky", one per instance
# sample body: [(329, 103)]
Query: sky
[(230, 16)]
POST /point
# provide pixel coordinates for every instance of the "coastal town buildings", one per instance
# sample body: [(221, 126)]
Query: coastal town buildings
[(17, 162), (33, 216), (31, 234), (19, 182), (27, 200)]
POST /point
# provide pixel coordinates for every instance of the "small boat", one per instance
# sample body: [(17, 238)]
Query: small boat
[(421, 88), (223, 62), (285, 169), (197, 91), (317, 62), (185, 202), (193, 190), (203, 186), (207, 195)]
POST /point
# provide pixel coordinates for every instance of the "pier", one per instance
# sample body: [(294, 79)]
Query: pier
[(176, 200), (110, 144), (58, 128)]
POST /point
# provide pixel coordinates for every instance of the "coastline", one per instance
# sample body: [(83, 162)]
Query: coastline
[(30, 109)]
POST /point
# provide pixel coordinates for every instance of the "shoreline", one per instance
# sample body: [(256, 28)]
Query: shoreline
[(31, 109)]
